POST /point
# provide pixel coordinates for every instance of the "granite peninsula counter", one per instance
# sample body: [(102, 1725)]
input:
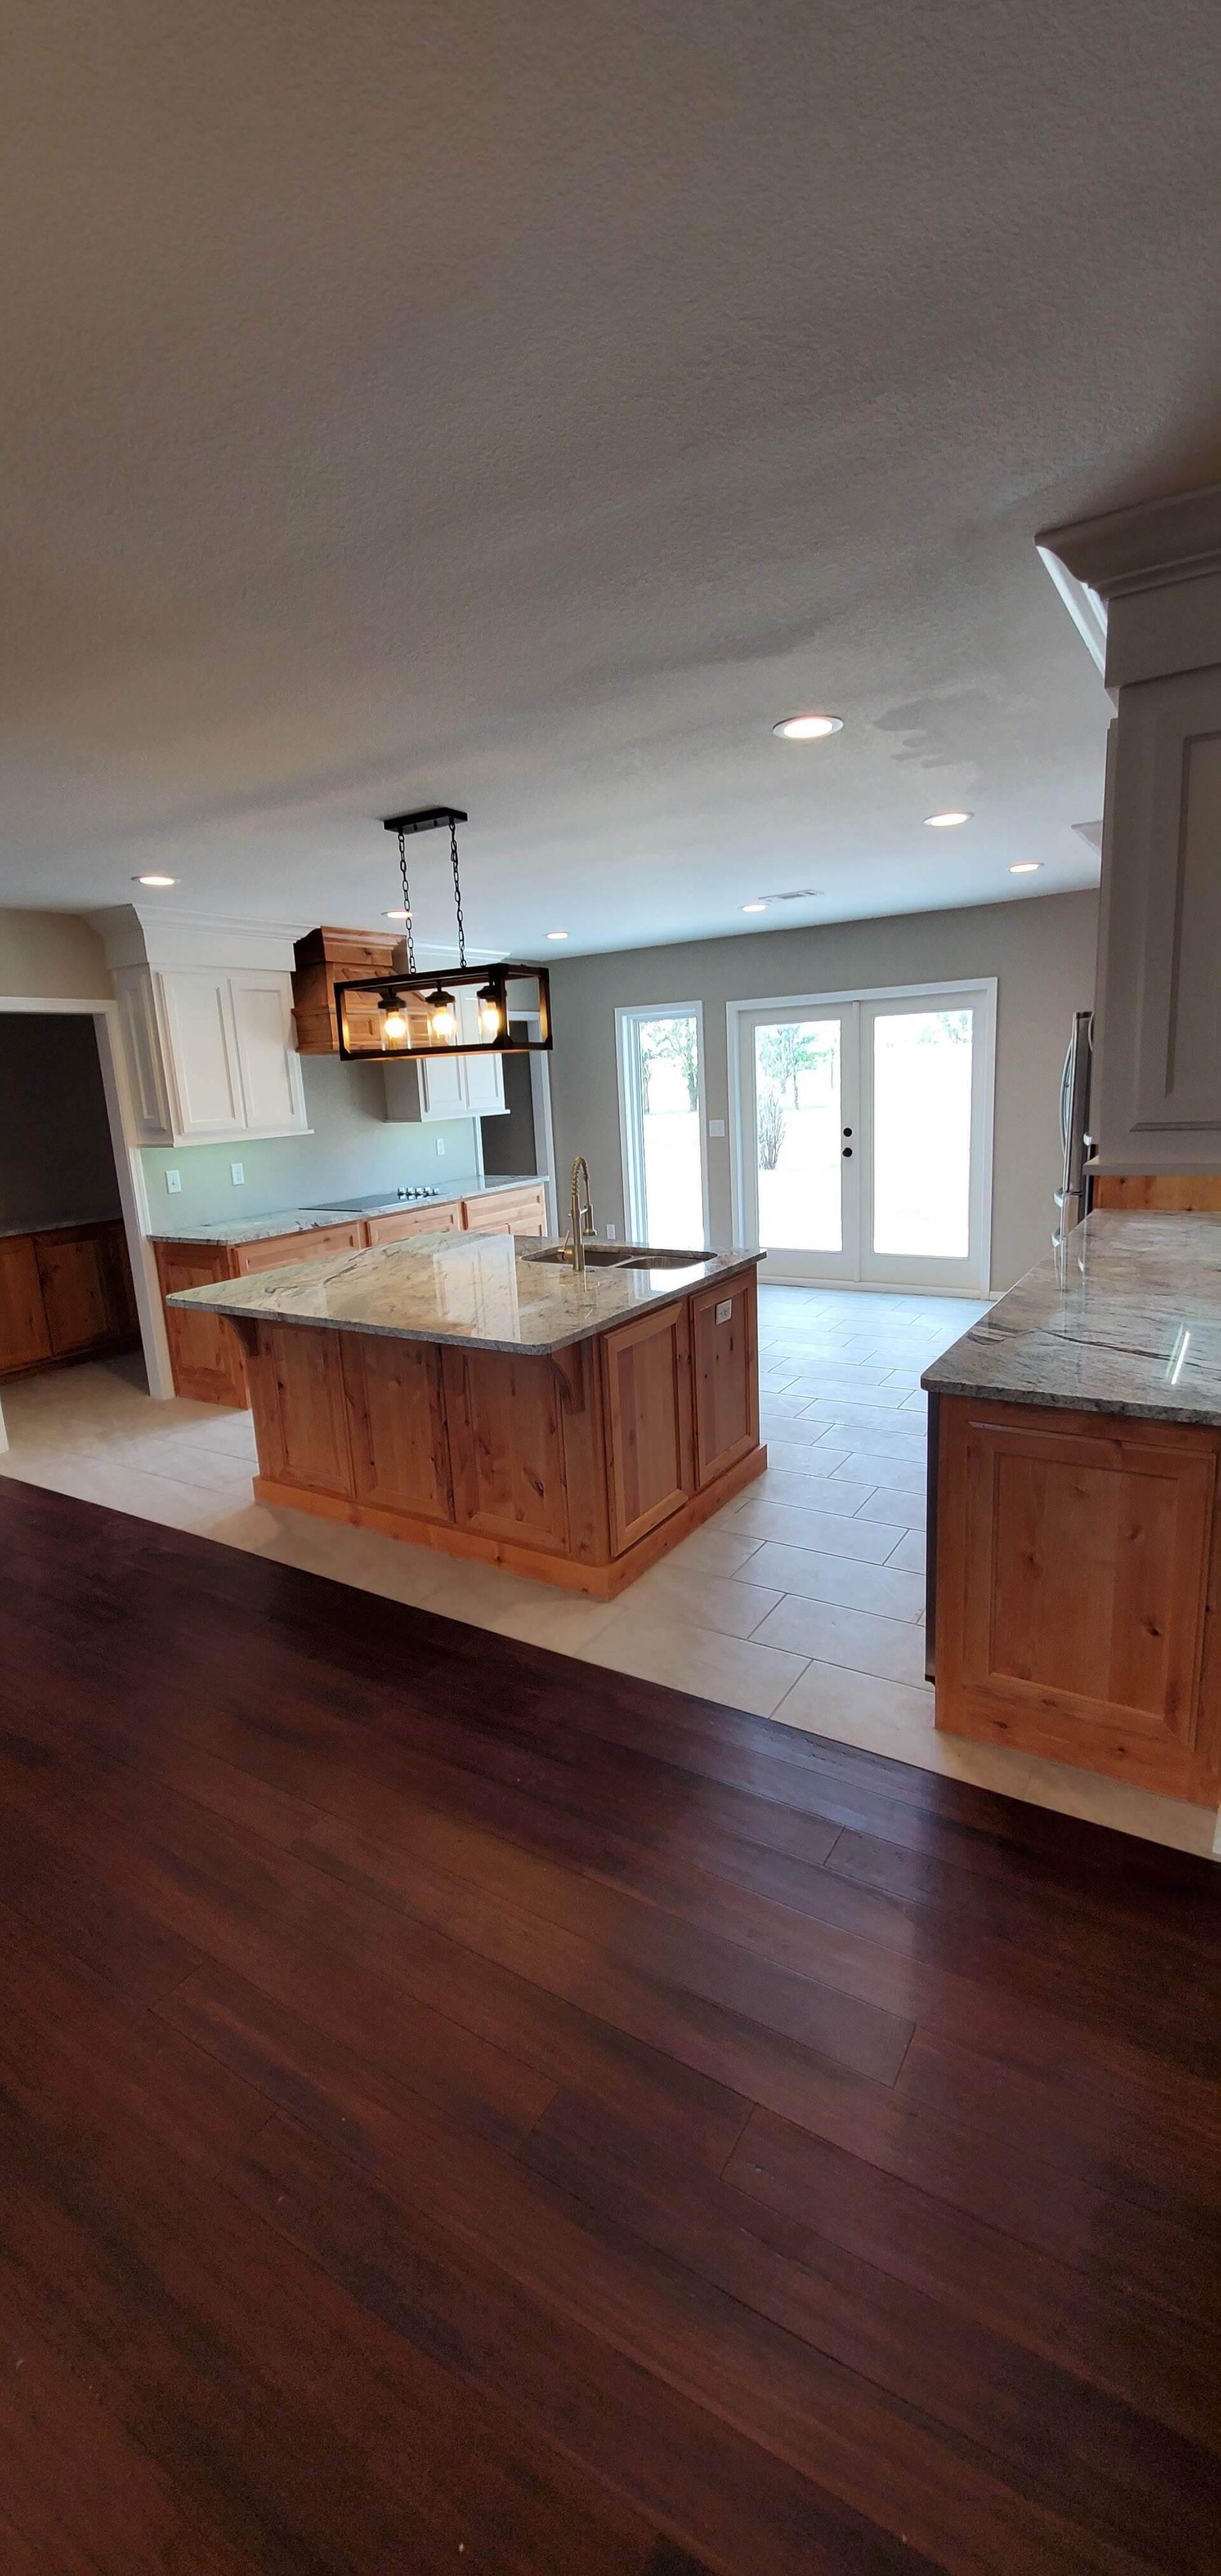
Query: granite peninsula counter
[(470, 1393), (1075, 1512)]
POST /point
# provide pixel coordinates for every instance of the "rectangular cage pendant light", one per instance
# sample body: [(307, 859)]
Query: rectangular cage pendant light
[(466, 1010)]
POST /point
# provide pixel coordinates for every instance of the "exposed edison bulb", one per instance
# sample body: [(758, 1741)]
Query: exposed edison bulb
[(489, 1012), (442, 1017), (395, 1025)]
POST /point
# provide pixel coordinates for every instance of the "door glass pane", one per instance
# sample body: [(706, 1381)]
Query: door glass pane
[(797, 1138), (922, 1132), (673, 1211)]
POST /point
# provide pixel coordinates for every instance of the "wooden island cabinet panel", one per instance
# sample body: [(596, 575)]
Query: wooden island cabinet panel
[(1077, 1591), (396, 1425), (724, 1375), (647, 1375), (506, 1447), (576, 1465)]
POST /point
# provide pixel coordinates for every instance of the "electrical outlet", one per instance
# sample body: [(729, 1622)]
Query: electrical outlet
[(237, 1174), (611, 1235), (440, 1144), (716, 1126), (173, 1182)]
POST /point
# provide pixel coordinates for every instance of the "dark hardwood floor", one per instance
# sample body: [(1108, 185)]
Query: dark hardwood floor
[(464, 2109)]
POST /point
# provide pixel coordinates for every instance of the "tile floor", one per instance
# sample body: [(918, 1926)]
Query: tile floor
[(803, 1601)]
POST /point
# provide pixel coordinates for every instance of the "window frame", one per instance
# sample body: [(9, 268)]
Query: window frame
[(628, 1019)]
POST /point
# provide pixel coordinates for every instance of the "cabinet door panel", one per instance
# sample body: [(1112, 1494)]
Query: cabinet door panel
[(199, 1016), (205, 1353), (76, 1290), (396, 1419), (443, 1086), (300, 1416), (1073, 1584), (271, 1076), (725, 1375), (648, 1422), (484, 1074), (506, 1446), (24, 1338)]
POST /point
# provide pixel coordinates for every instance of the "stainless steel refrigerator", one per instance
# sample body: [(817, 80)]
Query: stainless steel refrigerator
[(1072, 1197)]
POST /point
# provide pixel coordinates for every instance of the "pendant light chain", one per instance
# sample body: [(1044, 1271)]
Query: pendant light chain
[(408, 931), (453, 854)]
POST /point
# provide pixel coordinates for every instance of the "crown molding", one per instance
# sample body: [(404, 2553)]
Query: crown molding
[(1144, 548)]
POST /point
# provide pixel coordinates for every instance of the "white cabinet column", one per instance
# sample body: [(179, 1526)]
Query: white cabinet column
[(1156, 1104)]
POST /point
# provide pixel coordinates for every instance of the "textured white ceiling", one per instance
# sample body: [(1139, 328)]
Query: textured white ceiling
[(524, 405)]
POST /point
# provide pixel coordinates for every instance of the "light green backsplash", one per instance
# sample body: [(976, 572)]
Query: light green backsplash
[(353, 1149)]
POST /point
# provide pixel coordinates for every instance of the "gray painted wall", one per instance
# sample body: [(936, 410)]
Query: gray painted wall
[(352, 1150), (1041, 950), (56, 1158)]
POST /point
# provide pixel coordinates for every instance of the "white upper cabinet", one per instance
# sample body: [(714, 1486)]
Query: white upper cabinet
[(198, 1009), (210, 1054), (449, 1086)]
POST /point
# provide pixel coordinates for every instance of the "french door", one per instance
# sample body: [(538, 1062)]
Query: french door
[(864, 1147)]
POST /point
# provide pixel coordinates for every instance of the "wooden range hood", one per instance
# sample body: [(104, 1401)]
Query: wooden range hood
[(327, 957)]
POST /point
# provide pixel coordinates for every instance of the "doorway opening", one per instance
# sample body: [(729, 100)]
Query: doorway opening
[(66, 1287), (863, 1135)]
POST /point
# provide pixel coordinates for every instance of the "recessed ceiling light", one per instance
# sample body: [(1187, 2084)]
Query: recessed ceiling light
[(808, 728), (754, 907), (557, 934), (946, 822), (1024, 867), (157, 881), (396, 916)]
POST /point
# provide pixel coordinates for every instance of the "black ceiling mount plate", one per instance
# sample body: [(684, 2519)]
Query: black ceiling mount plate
[(426, 818)]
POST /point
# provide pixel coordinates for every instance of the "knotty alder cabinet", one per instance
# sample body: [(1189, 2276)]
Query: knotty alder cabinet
[(580, 1467), (1078, 1583), (65, 1293), (205, 1354)]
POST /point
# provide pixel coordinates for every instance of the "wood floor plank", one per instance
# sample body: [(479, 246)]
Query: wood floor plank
[(459, 2107)]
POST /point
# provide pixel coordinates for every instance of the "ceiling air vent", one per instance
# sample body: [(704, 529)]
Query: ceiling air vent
[(797, 894)]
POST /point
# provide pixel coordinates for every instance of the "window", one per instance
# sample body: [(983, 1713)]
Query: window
[(661, 1118)]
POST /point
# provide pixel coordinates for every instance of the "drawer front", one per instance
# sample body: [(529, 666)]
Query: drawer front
[(433, 1220), (506, 1212), (280, 1249)]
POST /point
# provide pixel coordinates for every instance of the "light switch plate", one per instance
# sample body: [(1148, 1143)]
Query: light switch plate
[(716, 1126), (440, 1144), (173, 1182), (237, 1174), (611, 1235)]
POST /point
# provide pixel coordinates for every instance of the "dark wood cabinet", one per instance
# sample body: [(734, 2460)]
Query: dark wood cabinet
[(64, 1292)]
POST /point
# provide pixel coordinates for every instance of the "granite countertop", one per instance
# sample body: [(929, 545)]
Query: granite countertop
[(483, 1291), (1125, 1319), (59, 1225), (312, 1220)]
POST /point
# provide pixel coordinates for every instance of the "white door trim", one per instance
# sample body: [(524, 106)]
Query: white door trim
[(133, 1197), (630, 1112), (986, 987)]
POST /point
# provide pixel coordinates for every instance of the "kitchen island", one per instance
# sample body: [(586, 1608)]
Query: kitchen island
[(1075, 1521), (472, 1393)]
